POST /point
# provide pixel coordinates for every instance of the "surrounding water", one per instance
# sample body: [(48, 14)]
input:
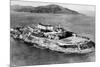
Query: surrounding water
[(21, 54)]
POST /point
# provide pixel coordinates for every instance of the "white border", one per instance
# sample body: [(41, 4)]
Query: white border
[(5, 25)]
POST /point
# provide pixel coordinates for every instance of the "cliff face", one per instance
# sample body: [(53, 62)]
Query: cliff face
[(43, 9)]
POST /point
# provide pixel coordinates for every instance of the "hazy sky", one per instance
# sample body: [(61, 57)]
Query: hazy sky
[(86, 9)]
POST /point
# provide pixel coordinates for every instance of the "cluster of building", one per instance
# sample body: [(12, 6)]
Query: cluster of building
[(40, 30)]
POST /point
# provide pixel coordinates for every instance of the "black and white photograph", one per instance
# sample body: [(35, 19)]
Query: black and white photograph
[(45, 33)]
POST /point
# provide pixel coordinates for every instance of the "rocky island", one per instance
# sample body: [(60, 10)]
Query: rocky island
[(54, 38)]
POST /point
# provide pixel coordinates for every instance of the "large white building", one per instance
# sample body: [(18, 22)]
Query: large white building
[(46, 27)]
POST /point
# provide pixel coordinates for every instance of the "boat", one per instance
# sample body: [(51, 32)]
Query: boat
[(54, 38)]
